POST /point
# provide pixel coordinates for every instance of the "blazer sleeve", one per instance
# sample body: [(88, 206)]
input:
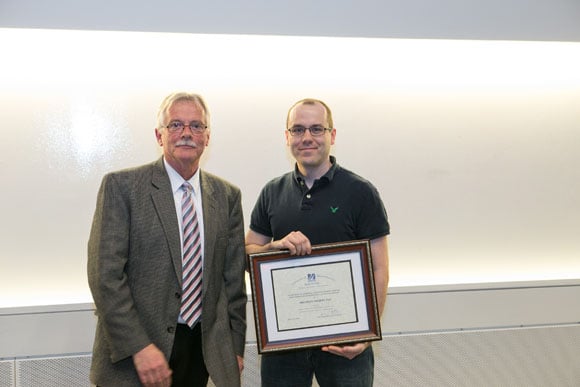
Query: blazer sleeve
[(108, 253), (234, 273)]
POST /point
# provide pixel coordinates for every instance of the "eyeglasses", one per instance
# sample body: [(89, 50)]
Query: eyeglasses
[(315, 130), (177, 127)]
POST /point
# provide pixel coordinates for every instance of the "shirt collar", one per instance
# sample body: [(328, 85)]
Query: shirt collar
[(176, 179), (328, 176)]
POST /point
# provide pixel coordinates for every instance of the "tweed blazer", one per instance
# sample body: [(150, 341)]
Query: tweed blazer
[(134, 273)]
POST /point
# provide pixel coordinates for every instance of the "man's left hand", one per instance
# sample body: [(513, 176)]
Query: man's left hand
[(348, 351)]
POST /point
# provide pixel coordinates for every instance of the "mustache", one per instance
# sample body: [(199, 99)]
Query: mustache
[(186, 142)]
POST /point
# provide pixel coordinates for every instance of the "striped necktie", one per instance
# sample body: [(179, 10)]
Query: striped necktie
[(191, 297)]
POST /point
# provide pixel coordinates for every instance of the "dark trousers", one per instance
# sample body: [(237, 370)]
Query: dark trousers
[(187, 358), (296, 368)]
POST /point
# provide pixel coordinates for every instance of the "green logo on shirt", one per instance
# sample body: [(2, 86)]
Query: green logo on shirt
[(333, 209)]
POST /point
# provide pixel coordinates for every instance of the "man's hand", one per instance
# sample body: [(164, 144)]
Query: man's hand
[(152, 367), (296, 242), (240, 363), (348, 351)]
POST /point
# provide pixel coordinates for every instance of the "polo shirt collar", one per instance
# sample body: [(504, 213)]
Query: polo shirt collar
[(328, 176)]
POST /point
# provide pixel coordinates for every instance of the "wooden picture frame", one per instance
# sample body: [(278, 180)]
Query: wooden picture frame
[(324, 298)]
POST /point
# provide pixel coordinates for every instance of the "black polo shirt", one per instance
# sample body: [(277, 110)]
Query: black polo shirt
[(341, 206)]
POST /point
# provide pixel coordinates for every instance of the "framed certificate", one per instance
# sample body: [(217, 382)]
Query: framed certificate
[(325, 298)]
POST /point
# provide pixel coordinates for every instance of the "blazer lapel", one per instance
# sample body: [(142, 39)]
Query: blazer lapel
[(162, 197)]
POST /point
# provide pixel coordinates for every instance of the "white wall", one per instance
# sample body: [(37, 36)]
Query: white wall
[(472, 144)]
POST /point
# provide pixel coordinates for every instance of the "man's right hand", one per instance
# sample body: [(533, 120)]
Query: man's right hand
[(296, 242), (152, 367)]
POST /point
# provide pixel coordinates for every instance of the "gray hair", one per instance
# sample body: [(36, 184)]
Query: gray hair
[(173, 98)]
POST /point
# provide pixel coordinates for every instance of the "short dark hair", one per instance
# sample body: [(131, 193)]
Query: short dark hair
[(311, 101)]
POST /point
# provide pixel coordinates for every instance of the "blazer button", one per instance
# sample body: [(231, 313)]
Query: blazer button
[(177, 295), (171, 329)]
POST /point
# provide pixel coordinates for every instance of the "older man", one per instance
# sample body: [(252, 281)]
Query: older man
[(166, 264)]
